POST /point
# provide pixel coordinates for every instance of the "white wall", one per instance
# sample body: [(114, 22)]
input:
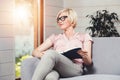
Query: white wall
[(51, 9), (7, 60), (85, 7), (82, 7)]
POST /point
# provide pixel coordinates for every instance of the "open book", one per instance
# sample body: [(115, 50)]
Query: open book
[(72, 54)]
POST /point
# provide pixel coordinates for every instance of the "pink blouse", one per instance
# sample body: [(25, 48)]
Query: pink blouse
[(61, 43)]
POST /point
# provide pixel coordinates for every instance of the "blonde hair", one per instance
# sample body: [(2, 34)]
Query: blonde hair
[(72, 15)]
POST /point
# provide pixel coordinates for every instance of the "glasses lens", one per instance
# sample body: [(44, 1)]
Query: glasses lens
[(62, 18)]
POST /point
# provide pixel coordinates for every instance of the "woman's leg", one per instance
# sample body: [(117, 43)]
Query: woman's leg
[(51, 59), (45, 65), (53, 75), (67, 68)]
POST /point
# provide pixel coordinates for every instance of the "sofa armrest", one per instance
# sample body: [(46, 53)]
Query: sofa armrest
[(27, 68)]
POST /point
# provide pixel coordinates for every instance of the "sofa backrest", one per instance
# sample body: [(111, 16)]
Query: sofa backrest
[(106, 56)]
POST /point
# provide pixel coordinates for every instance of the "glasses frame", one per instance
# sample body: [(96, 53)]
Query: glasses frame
[(62, 18)]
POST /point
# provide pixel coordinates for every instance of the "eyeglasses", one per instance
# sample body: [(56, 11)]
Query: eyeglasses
[(62, 18)]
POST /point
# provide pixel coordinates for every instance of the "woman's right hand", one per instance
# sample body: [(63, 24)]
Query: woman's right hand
[(40, 55), (37, 53)]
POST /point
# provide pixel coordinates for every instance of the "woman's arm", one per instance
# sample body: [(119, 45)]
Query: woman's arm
[(86, 52), (39, 51)]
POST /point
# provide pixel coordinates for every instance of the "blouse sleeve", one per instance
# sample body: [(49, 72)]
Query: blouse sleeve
[(52, 38), (87, 37)]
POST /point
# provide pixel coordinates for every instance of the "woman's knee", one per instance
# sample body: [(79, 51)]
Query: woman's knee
[(50, 54), (53, 75)]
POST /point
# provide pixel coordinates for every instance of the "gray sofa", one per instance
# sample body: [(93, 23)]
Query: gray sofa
[(106, 65)]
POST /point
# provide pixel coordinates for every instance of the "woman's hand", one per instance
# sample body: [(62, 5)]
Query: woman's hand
[(39, 51), (86, 53), (85, 56), (83, 53)]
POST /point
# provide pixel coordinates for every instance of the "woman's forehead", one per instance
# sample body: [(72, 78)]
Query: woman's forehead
[(63, 14)]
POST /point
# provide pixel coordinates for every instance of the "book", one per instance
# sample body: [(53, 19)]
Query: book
[(72, 54)]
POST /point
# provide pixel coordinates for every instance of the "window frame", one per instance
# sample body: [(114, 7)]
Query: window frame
[(38, 22)]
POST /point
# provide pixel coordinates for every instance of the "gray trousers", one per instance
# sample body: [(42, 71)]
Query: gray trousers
[(54, 65)]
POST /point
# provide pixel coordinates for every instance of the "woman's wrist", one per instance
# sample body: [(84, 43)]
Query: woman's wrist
[(87, 60)]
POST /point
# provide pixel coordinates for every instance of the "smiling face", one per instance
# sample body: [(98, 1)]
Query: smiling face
[(63, 21), (66, 18)]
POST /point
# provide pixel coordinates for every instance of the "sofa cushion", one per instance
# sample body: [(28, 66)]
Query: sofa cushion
[(27, 68), (94, 77), (106, 56)]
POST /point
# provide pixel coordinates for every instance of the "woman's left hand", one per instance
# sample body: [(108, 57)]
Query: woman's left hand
[(83, 53)]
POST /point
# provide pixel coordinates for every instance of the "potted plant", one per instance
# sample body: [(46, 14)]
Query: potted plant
[(103, 24)]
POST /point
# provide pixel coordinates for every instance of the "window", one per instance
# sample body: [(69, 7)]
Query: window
[(28, 29)]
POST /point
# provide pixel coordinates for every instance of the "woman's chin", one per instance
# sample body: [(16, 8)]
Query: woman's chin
[(62, 28)]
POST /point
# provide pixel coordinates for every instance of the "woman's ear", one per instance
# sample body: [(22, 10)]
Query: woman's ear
[(72, 24)]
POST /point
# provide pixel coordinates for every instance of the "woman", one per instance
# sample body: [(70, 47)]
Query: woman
[(52, 63)]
